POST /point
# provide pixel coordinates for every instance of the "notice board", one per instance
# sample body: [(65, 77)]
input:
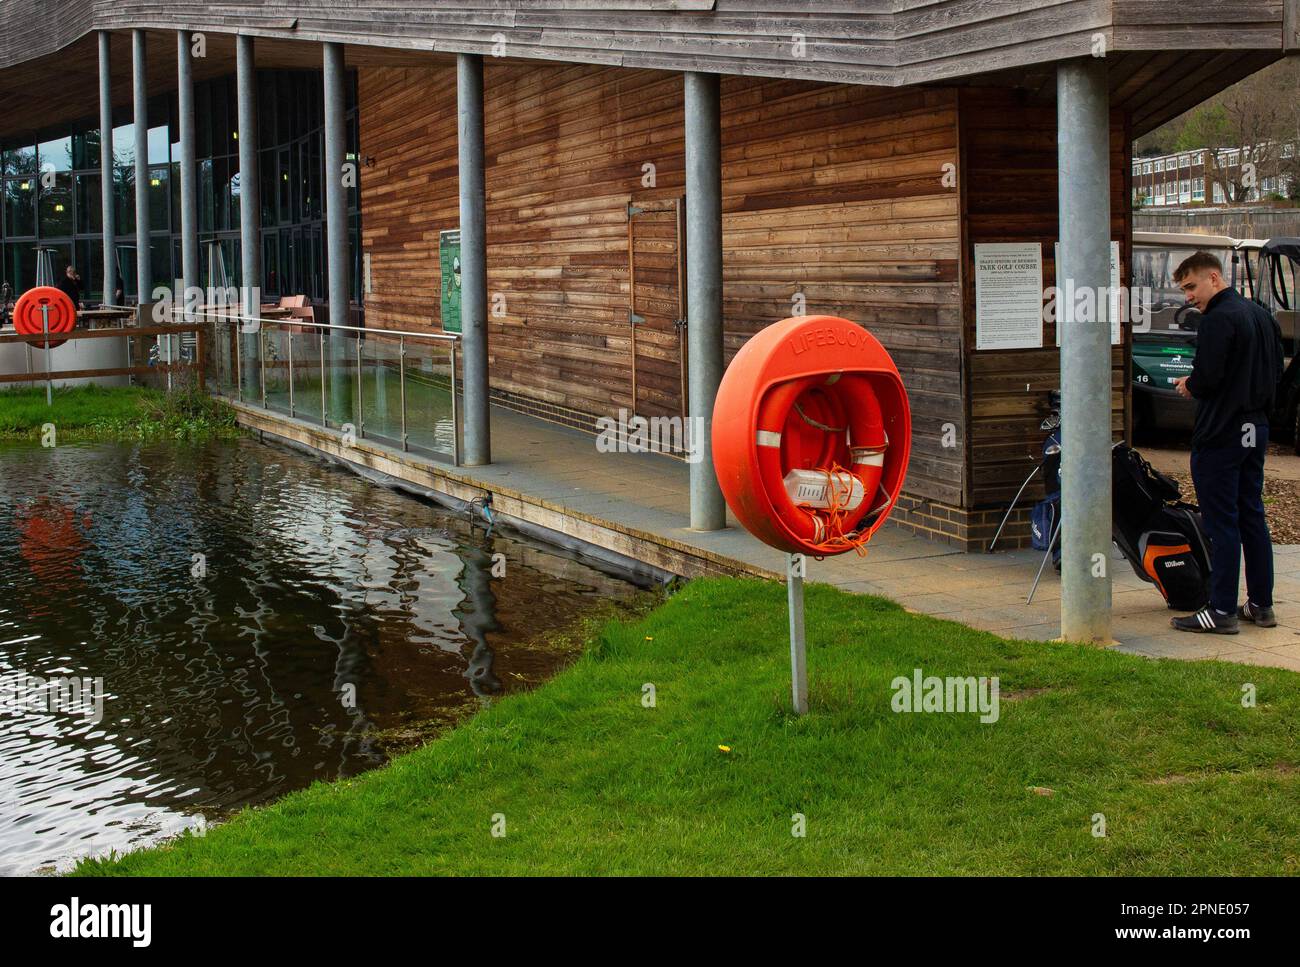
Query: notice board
[(449, 271), (1008, 295)]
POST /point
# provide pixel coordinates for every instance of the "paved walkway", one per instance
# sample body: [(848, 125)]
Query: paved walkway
[(649, 492)]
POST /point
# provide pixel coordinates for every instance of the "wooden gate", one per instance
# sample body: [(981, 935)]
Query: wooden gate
[(656, 252)]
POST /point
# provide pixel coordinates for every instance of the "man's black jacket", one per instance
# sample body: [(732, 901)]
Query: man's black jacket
[(1238, 364)]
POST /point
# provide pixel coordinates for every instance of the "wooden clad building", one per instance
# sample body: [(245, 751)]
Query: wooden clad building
[(867, 147), (837, 199)]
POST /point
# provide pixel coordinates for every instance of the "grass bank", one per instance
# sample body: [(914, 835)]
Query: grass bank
[(128, 412), (587, 779)]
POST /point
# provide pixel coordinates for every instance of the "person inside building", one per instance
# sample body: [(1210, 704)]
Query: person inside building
[(70, 284), (1234, 377)]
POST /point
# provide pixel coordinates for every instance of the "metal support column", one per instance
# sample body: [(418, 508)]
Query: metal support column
[(473, 259), (336, 228), (188, 165), (250, 206), (704, 290), (140, 127), (106, 166), (1083, 146)]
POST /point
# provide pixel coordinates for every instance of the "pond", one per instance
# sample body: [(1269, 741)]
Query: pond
[(186, 630)]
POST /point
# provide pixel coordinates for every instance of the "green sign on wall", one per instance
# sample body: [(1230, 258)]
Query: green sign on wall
[(449, 263)]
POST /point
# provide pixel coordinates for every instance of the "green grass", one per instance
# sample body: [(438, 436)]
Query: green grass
[(128, 412), (590, 781)]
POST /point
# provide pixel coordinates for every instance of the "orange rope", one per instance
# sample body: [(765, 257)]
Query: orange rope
[(836, 512)]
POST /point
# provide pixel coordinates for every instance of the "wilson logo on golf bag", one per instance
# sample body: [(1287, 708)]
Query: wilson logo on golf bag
[(1169, 562), (1159, 534)]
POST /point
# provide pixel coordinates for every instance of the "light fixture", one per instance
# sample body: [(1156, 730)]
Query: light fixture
[(58, 207), (26, 186), (155, 182)]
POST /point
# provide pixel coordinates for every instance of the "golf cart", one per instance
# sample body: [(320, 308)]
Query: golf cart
[(1163, 349)]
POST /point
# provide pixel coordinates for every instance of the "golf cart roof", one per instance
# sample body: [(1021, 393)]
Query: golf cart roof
[(1289, 247), (1192, 240), (1254, 244)]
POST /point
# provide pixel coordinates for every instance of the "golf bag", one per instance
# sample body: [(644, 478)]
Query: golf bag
[(1159, 534), (1045, 518)]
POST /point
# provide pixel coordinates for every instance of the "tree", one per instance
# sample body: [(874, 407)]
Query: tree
[(1254, 118)]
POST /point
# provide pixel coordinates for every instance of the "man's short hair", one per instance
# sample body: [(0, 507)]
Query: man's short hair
[(1198, 262)]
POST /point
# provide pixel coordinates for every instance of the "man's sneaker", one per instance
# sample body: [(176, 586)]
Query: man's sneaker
[(1260, 616), (1207, 620)]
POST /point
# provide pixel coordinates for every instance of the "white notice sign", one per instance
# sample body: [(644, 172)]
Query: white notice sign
[(1082, 303), (1008, 295)]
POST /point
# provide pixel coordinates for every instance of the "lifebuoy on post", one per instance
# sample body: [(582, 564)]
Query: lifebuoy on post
[(811, 435), (36, 305)]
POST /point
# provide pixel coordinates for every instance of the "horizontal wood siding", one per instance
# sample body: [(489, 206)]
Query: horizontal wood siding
[(836, 194), (1010, 157), (877, 42), (831, 191)]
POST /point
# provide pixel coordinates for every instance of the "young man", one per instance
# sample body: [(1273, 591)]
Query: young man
[(1238, 363)]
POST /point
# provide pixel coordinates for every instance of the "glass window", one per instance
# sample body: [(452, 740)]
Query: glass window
[(20, 266), (54, 205), (159, 199), (206, 188), (90, 211), (217, 123), (269, 193), (124, 145), (266, 109), (202, 127), (90, 264), (221, 193), (55, 155), (85, 149), (159, 145), (20, 206), (236, 200), (270, 266), (18, 161), (124, 201)]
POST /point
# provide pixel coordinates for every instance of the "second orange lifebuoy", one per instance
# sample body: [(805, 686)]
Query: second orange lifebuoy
[(35, 306)]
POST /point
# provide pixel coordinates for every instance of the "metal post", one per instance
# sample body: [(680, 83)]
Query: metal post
[(704, 290), (261, 360), (473, 257), (336, 209), (140, 127), (455, 413), (239, 376), (794, 571), (361, 413), (250, 207), (188, 166), (106, 179), (289, 337), (401, 384), (49, 380), (1083, 146), (324, 414)]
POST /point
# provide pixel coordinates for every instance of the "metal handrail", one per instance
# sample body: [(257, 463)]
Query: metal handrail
[(289, 321), (208, 315)]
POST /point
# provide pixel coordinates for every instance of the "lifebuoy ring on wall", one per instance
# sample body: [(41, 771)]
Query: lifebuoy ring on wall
[(811, 435), (29, 316)]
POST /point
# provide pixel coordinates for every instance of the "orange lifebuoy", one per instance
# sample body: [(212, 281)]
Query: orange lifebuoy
[(32, 309), (816, 405)]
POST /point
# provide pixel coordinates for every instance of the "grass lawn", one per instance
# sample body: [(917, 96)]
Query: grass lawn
[(590, 781), (97, 412)]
